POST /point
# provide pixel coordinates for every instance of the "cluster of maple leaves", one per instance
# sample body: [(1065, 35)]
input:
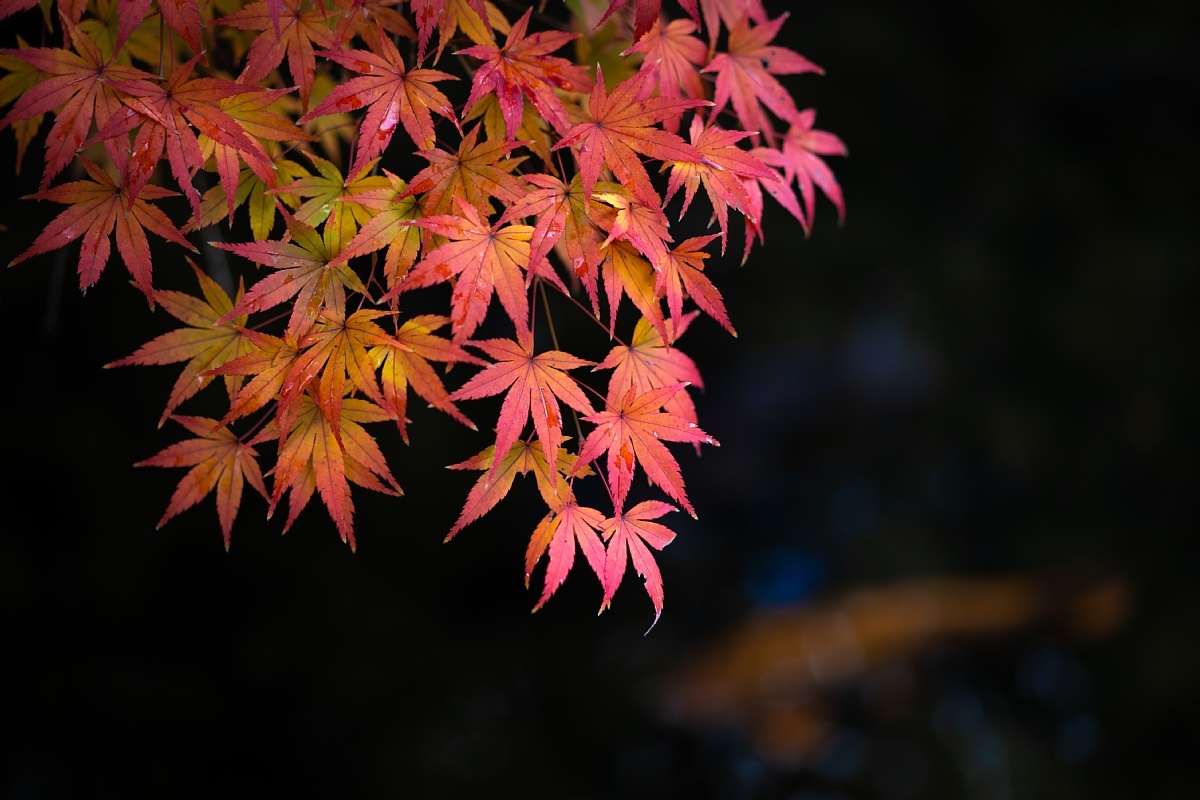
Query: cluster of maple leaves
[(546, 191)]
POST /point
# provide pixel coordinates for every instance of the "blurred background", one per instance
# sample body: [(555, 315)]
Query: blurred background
[(940, 554)]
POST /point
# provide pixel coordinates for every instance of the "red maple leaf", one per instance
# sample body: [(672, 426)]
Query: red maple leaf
[(646, 13), (218, 460), (448, 15), (183, 17), (287, 30), (167, 114), (524, 66), (745, 76), (251, 111), (395, 95), (98, 208), (535, 384), (81, 88), (565, 215), (334, 349), (373, 21), (621, 126), (628, 534), (644, 226), (634, 433), (269, 361)]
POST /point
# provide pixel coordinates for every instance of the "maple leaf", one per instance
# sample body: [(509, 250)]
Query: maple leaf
[(644, 226), (745, 76), (627, 535), (621, 127), (183, 17), (166, 115), (646, 14), (10, 7), (777, 188), (648, 362), (801, 161), (335, 348), (635, 432), (672, 56), (394, 96), (316, 454), (524, 67), (218, 460), (684, 269), (523, 457), (535, 384), (564, 214), (405, 363), (256, 195), (303, 272), (292, 31), (81, 88), (270, 360), (329, 201), (111, 20), (369, 19), (251, 111), (390, 226), (98, 208), (532, 129), (730, 12), (475, 18), (722, 174), (21, 79), (471, 174), (487, 259), (625, 271), (558, 532), (203, 344)]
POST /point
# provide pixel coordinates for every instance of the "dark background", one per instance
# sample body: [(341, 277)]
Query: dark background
[(988, 371)]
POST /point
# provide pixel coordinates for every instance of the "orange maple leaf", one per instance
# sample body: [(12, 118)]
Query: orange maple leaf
[(312, 456), (219, 460), (523, 457), (203, 343)]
